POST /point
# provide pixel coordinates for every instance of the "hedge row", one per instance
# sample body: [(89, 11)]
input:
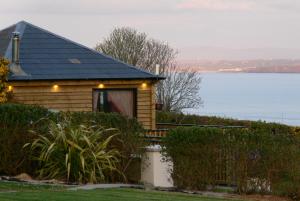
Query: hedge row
[(258, 159), (180, 118), (17, 121)]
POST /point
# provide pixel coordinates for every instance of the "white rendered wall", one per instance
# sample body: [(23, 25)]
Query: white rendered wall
[(154, 170)]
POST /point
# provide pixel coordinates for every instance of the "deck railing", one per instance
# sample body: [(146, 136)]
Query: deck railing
[(163, 129), (157, 133), (174, 125)]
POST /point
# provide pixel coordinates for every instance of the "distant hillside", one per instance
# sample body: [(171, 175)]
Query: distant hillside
[(248, 66), (221, 53)]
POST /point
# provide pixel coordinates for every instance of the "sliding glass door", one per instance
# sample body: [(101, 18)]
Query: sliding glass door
[(121, 101)]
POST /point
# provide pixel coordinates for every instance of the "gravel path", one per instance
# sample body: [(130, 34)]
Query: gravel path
[(104, 186)]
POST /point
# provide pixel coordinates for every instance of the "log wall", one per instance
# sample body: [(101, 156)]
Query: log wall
[(77, 95)]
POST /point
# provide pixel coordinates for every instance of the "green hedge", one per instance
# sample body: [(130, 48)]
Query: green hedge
[(252, 159), (17, 121), (180, 118)]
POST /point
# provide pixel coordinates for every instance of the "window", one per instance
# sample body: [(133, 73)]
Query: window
[(121, 101)]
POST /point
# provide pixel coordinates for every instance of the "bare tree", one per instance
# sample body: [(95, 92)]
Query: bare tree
[(156, 53), (180, 89), (125, 44), (133, 47)]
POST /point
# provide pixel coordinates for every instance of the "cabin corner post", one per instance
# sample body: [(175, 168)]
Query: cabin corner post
[(153, 103)]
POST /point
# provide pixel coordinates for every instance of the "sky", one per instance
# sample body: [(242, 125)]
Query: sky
[(199, 29)]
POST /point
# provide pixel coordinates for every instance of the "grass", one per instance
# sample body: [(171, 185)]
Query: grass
[(25, 187), (25, 192)]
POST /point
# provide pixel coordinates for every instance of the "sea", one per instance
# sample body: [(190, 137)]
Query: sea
[(270, 97)]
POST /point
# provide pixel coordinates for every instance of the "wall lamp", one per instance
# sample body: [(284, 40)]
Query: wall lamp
[(10, 88), (101, 86), (144, 85)]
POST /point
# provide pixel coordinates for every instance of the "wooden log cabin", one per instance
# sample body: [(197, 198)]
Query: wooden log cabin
[(59, 74)]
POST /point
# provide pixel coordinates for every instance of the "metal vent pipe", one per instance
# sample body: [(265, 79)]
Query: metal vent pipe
[(16, 48)]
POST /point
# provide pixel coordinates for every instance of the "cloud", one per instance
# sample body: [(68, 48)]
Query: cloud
[(86, 7), (216, 5)]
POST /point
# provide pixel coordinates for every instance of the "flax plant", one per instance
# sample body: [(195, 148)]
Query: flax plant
[(75, 153)]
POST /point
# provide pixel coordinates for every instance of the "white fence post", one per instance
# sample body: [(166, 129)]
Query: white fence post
[(155, 171)]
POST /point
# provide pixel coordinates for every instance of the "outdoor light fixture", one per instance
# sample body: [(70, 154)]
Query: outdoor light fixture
[(10, 88), (144, 85), (101, 86), (55, 88)]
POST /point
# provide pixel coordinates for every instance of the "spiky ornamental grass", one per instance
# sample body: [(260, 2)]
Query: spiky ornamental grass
[(75, 153)]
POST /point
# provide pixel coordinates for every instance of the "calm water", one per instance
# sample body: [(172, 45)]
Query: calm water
[(269, 97)]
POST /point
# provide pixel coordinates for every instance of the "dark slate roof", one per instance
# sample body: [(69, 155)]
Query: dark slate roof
[(5, 37), (47, 56)]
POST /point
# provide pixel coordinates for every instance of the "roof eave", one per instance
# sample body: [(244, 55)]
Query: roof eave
[(158, 78)]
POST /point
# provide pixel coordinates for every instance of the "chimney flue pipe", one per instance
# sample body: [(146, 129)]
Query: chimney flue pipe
[(157, 69), (16, 48)]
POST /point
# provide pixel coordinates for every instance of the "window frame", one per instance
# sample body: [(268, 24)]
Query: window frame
[(134, 90)]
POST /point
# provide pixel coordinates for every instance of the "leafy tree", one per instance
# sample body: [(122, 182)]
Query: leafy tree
[(4, 70), (179, 91)]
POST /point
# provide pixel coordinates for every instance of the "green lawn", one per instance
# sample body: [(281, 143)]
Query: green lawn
[(24, 192)]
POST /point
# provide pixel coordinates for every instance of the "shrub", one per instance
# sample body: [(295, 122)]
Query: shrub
[(180, 118), (258, 159), (3, 79), (16, 120), (193, 156), (75, 153), (129, 143)]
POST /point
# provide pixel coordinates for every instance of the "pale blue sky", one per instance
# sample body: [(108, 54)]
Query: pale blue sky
[(270, 28)]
